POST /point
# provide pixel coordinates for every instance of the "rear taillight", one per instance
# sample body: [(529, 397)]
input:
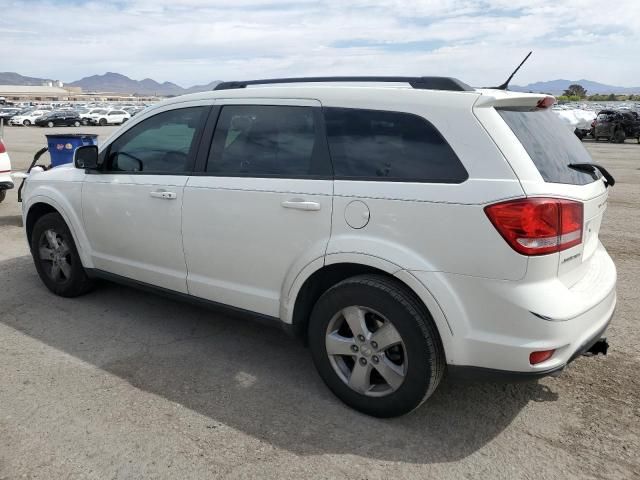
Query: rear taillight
[(538, 226), (2, 147)]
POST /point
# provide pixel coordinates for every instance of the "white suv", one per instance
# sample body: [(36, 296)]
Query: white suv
[(404, 226), (107, 117)]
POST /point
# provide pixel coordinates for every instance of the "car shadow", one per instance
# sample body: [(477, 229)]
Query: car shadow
[(248, 376)]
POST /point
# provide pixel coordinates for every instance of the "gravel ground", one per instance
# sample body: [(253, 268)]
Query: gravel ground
[(125, 384)]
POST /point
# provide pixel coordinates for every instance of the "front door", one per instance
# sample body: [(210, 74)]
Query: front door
[(132, 207), (261, 210)]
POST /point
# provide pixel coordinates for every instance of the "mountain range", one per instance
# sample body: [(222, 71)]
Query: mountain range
[(112, 83), (118, 83), (557, 87)]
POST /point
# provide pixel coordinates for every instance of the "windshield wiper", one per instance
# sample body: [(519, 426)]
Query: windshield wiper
[(593, 168)]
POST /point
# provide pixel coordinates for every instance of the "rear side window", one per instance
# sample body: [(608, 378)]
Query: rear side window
[(550, 144), (389, 146), (268, 140)]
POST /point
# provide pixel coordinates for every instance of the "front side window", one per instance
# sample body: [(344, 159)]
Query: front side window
[(163, 143), (267, 140), (389, 146)]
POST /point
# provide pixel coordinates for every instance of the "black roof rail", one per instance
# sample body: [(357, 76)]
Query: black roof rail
[(424, 83)]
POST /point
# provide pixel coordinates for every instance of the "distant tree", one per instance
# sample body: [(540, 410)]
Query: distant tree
[(575, 90), (612, 98)]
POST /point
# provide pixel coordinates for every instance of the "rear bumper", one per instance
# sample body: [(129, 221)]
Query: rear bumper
[(495, 325), (475, 374)]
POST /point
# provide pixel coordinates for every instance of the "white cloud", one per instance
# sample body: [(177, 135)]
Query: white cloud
[(196, 41)]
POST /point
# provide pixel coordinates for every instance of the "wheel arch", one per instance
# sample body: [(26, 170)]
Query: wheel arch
[(318, 277), (41, 205)]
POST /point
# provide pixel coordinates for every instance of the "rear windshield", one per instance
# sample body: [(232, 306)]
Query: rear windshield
[(550, 144)]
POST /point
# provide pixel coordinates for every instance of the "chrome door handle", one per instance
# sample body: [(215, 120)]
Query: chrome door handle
[(300, 204), (164, 194)]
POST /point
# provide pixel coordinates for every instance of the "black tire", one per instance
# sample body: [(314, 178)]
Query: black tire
[(619, 136), (26, 123), (76, 123), (102, 122), (422, 348), (77, 282), (50, 124), (3, 195)]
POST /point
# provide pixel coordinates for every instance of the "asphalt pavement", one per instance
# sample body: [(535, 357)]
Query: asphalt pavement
[(126, 384)]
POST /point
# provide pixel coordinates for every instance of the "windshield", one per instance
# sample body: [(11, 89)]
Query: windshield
[(550, 144)]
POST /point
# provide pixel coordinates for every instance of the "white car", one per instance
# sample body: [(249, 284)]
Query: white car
[(107, 117), (6, 182), (28, 119), (406, 227)]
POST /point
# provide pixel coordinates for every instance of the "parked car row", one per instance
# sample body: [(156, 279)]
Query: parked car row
[(67, 116)]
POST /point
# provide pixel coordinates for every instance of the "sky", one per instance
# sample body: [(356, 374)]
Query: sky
[(196, 41)]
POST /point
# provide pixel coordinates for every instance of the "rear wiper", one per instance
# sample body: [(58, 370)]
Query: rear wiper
[(593, 168)]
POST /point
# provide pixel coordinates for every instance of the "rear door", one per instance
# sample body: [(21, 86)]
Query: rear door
[(260, 209)]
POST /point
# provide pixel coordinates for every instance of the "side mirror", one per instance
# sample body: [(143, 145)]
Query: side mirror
[(86, 157)]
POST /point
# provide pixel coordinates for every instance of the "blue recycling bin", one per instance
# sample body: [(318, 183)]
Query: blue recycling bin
[(61, 146)]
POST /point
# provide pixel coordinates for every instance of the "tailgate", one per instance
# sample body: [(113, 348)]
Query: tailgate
[(540, 149), (573, 264)]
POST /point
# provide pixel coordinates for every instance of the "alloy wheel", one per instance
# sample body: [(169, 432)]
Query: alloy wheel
[(55, 256), (366, 351)]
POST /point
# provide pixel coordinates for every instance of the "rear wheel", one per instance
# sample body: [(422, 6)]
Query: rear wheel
[(102, 122), (56, 257), (619, 136), (26, 123), (76, 123), (375, 346)]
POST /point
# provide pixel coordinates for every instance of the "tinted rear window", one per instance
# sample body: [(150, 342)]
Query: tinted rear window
[(550, 144), (389, 146), (268, 140)]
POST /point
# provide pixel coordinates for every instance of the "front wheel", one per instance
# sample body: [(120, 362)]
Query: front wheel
[(50, 124), (376, 346), (3, 195), (102, 122), (56, 257), (76, 123), (26, 123), (619, 136)]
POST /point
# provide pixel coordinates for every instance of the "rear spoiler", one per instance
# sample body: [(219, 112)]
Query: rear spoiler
[(501, 99)]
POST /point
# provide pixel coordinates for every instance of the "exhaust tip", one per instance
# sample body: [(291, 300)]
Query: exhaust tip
[(599, 347)]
